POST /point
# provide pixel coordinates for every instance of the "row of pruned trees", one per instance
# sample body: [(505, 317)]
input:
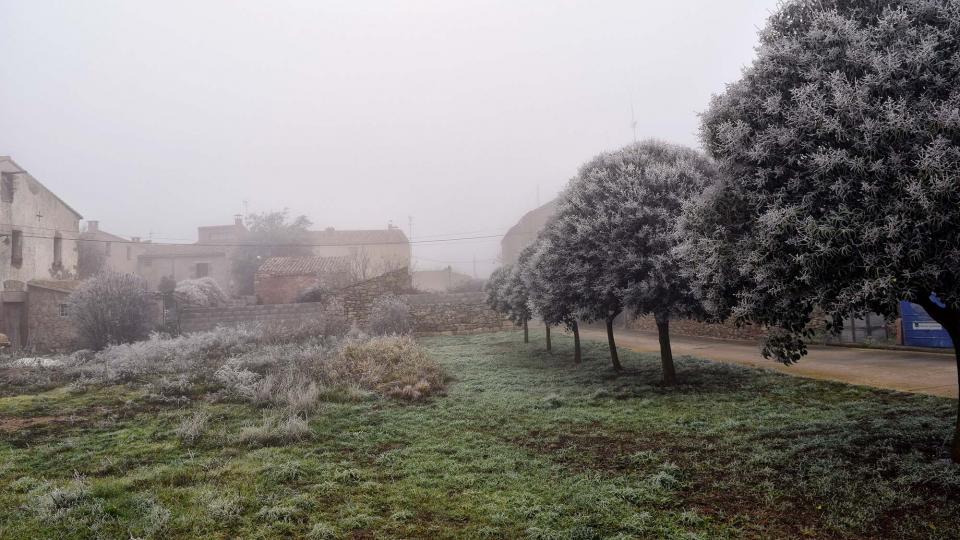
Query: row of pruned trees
[(612, 245), (830, 185)]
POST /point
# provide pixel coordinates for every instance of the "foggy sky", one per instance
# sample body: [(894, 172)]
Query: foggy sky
[(157, 117)]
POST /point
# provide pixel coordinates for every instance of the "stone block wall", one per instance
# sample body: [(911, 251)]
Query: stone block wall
[(358, 298), (49, 328), (432, 313), (687, 327), (282, 289), (450, 313), (203, 319)]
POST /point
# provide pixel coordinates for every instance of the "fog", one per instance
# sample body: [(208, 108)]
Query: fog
[(157, 117)]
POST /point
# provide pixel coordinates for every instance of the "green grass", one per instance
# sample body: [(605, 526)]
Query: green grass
[(524, 444)]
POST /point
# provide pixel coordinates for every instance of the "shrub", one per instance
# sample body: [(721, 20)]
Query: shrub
[(110, 308), (191, 429), (202, 292), (391, 366), (275, 429), (315, 293), (389, 315)]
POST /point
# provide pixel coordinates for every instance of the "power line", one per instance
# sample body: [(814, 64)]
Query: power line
[(292, 244)]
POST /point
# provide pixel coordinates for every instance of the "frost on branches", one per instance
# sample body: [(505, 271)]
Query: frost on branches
[(842, 141), (619, 215)]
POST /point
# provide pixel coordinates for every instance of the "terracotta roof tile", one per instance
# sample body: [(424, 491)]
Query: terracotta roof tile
[(300, 266)]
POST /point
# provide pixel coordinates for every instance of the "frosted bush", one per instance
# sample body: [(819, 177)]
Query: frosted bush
[(237, 381), (202, 292), (389, 315)]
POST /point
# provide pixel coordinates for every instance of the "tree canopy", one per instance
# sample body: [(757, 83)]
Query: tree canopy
[(841, 145)]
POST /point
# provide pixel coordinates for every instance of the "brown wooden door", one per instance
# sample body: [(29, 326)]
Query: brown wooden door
[(13, 324)]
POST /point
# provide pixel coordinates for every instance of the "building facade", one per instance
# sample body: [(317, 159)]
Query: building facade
[(38, 241), (281, 280), (525, 232)]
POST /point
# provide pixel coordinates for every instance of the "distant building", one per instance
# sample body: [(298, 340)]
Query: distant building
[(371, 252), (38, 241), (116, 253), (280, 280), (525, 232), (438, 280)]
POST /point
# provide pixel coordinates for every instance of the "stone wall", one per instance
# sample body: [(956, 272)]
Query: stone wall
[(282, 289), (445, 313), (49, 328), (432, 313), (687, 327), (358, 298), (195, 319)]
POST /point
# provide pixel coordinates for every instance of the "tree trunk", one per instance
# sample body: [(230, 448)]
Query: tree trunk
[(955, 447), (950, 320), (614, 358), (549, 345), (666, 354), (526, 333), (576, 343)]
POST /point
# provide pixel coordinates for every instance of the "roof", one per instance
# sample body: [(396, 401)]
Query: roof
[(60, 285), (39, 183), (302, 266), (361, 237), (102, 235)]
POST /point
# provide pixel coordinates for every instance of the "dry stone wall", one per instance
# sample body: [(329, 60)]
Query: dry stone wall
[(433, 313)]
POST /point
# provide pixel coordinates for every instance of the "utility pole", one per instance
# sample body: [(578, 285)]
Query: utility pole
[(474, 266)]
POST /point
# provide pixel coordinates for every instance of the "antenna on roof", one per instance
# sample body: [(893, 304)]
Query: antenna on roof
[(633, 123)]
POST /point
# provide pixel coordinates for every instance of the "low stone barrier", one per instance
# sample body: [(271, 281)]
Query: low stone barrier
[(433, 313)]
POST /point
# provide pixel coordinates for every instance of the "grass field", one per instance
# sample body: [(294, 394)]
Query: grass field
[(523, 444)]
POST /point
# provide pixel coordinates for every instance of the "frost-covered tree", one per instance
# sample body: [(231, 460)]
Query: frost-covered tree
[(842, 146), (507, 294), (270, 234), (622, 209), (549, 276), (595, 295), (200, 292), (110, 308)]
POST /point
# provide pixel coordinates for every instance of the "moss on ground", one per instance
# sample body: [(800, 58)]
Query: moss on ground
[(524, 444)]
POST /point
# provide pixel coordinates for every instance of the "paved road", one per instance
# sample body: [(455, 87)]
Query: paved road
[(928, 373)]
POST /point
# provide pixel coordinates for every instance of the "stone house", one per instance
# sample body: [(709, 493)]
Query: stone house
[(47, 315), (280, 280), (525, 231), (118, 254), (38, 241), (438, 280), (371, 252)]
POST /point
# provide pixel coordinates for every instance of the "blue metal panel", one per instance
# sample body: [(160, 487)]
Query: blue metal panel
[(919, 330)]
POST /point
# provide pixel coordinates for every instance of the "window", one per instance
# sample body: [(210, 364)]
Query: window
[(203, 270), (6, 187), (108, 247), (63, 310), (58, 251), (148, 263), (129, 252), (16, 248)]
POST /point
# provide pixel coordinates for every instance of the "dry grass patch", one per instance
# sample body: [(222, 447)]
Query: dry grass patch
[(394, 366)]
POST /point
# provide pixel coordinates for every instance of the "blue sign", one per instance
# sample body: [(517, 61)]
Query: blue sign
[(920, 330)]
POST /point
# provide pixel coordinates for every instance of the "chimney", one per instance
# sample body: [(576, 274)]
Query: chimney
[(238, 219), (93, 225)]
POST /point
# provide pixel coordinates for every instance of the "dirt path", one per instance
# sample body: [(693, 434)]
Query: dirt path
[(928, 373)]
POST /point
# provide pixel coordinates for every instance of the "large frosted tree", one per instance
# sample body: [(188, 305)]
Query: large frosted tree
[(624, 206), (842, 144)]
